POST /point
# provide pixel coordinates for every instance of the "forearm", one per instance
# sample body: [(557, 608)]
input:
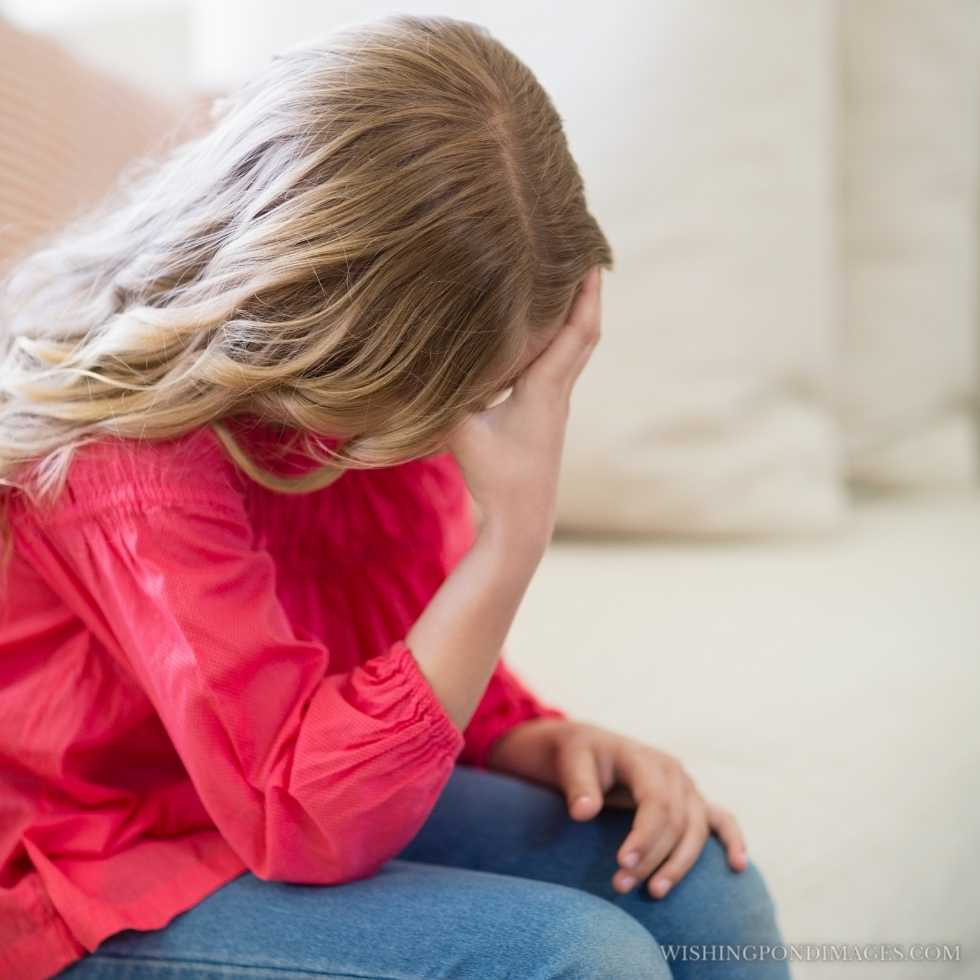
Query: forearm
[(459, 636)]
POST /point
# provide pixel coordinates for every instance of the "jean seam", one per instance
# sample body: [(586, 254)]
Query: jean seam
[(268, 969)]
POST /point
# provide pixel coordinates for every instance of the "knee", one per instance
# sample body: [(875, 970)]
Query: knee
[(733, 906), (587, 936), (756, 911)]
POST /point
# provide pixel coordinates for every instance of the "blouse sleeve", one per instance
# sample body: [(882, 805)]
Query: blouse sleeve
[(311, 776)]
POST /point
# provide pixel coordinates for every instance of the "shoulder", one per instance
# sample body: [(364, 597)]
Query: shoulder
[(431, 485), (439, 480), (112, 473)]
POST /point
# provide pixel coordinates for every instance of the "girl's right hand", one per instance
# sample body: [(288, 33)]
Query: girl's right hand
[(510, 453)]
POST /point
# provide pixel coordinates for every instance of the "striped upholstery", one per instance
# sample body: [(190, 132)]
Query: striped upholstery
[(66, 131)]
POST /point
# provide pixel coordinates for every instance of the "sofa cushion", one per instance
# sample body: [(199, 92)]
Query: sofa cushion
[(67, 130)]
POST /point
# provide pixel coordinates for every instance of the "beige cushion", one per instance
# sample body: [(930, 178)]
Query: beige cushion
[(911, 166), (826, 692), (66, 131), (706, 140)]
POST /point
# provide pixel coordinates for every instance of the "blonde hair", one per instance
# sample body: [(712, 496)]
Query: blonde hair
[(360, 244)]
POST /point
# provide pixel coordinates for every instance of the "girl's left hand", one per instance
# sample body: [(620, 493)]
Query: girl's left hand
[(594, 767)]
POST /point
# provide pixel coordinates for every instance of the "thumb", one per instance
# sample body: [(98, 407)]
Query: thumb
[(578, 776)]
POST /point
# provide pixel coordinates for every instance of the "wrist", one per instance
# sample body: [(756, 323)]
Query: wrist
[(525, 749)]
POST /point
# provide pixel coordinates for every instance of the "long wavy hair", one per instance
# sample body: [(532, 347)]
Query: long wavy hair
[(361, 244)]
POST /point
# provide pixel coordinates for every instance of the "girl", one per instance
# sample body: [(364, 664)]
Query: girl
[(250, 637)]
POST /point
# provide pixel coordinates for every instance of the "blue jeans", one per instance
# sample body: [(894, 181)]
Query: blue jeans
[(500, 882)]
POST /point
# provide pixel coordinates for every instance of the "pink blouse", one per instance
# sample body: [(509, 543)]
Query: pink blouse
[(200, 677)]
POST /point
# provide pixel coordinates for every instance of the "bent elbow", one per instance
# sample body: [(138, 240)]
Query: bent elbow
[(291, 846)]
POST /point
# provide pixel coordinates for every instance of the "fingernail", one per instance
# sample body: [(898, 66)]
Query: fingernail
[(661, 886), (631, 858), (627, 881), (580, 800)]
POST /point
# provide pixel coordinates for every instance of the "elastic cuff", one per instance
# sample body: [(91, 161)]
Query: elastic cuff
[(447, 735)]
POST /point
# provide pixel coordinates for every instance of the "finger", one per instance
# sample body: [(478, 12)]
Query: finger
[(557, 367), (648, 826), (644, 784), (666, 826), (585, 320), (730, 834), (578, 775), (687, 851)]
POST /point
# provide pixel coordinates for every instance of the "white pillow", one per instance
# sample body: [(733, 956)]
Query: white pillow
[(910, 166), (705, 135)]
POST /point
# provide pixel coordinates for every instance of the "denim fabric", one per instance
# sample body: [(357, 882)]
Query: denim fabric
[(499, 883)]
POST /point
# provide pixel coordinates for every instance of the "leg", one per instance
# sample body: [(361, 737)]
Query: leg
[(410, 921), (494, 822)]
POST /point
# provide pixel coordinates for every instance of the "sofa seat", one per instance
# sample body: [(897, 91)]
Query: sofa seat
[(824, 689)]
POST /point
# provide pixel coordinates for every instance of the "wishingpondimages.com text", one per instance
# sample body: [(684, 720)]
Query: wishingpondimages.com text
[(813, 952)]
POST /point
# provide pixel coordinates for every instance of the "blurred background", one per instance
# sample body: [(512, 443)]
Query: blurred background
[(767, 558)]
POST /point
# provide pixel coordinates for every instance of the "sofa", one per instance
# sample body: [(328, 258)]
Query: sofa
[(825, 690), (768, 552)]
